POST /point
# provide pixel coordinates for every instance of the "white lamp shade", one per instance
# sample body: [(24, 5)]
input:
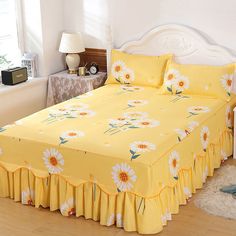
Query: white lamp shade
[(71, 43)]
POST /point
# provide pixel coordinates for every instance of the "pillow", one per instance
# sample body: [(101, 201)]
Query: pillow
[(137, 69), (204, 80)]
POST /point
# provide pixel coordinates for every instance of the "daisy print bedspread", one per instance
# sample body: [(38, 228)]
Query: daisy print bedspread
[(124, 138)]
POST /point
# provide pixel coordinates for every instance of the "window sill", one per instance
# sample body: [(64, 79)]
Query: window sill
[(29, 83)]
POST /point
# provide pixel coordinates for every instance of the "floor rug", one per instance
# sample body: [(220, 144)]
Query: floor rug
[(212, 200)]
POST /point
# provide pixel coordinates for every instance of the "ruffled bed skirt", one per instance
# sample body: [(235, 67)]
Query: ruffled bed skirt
[(127, 210)]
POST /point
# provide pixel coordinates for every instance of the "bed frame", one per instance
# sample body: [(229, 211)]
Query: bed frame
[(188, 45)]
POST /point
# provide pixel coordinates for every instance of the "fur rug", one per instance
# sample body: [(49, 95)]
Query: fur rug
[(212, 200)]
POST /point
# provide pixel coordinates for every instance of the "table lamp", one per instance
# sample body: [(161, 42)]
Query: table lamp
[(72, 44)]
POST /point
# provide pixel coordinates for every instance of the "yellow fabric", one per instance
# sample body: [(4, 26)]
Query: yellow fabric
[(134, 213), (137, 69), (214, 81), (120, 153)]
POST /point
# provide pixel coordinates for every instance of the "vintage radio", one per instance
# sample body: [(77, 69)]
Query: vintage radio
[(14, 75)]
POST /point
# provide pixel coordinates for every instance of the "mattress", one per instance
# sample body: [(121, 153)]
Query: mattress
[(124, 139)]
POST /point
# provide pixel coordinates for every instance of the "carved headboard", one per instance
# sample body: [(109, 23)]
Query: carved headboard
[(187, 44)]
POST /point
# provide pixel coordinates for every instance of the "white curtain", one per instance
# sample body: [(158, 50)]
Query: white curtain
[(11, 32)]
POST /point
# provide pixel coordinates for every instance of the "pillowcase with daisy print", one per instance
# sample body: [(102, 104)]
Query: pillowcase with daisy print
[(136, 69), (206, 80)]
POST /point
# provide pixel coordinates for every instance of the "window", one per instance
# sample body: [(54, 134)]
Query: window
[(9, 46)]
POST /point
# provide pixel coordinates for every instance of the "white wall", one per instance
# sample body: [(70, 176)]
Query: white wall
[(52, 13), (125, 20), (92, 18), (130, 19)]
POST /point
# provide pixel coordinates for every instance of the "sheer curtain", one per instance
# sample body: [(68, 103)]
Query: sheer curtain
[(11, 33)]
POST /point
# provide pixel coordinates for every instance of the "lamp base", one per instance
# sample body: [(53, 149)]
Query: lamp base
[(72, 71), (72, 61)]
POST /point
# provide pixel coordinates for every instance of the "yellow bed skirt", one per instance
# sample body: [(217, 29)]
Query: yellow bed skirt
[(125, 209)]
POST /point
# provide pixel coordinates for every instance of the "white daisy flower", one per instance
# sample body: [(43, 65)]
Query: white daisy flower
[(192, 125), (71, 134), (127, 76), (84, 95), (2, 129), (137, 102), (187, 192), (205, 174), (72, 114), (228, 117), (111, 220), (227, 82), (59, 112), (135, 115), (224, 156), (88, 94), (165, 217), (119, 221), (53, 160), (168, 216), (205, 133), (142, 146), (198, 109), (68, 207), (27, 197), (146, 123), (86, 113), (181, 134), (131, 88), (181, 83), (63, 112), (76, 107), (171, 76), (174, 160), (19, 122), (117, 68), (119, 121), (123, 176)]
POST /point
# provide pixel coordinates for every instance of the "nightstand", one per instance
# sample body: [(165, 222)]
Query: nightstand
[(63, 86)]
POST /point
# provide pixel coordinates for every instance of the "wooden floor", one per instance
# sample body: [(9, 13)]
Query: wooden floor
[(19, 220)]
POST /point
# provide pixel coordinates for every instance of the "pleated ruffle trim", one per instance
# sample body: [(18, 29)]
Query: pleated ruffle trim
[(127, 210)]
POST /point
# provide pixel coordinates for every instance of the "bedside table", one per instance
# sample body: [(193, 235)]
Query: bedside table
[(63, 86)]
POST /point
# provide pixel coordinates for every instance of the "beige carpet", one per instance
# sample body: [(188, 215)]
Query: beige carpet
[(212, 200)]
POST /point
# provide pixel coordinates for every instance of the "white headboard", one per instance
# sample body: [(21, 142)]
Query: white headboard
[(187, 44)]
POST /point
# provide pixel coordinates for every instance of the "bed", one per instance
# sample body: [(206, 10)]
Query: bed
[(123, 155)]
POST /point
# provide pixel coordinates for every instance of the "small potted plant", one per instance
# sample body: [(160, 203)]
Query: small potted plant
[(4, 63)]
